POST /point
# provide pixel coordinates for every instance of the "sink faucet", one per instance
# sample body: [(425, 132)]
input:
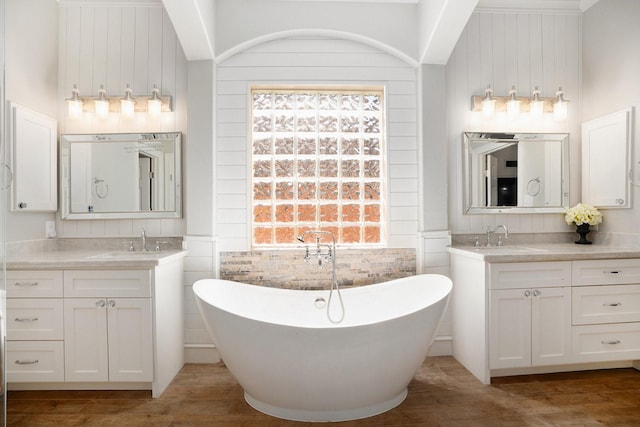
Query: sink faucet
[(144, 240), (490, 232)]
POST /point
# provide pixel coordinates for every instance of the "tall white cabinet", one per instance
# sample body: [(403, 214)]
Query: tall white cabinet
[(33, 144)]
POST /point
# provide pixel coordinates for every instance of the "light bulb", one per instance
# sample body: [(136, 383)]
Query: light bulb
[(488, 103), (536, 108), (127, 104), (560, 107), (101, 104), (154, 104), (74, 104), (513, 104)]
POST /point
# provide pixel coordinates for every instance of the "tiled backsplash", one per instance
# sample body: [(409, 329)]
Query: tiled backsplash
[(288, 269)]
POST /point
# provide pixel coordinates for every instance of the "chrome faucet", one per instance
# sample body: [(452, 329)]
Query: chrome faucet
[(500, 239), (143, 237)]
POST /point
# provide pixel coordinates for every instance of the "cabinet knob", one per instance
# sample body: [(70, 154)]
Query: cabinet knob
[(537, 293), (111, 303), (100, 303), (527, 293), (22, 205)]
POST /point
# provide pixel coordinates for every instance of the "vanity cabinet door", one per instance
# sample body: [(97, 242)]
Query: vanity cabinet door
[(108, 339), (85, 340), (510, 328), (529, 327), (130, 339), (550, 326)]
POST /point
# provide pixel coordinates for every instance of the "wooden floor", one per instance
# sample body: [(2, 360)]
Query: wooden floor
[(443, 393)]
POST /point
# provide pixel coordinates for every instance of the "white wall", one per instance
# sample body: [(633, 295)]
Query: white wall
[(313, 60), (115, 46), (505, 49), (31, 77), (611, 64)]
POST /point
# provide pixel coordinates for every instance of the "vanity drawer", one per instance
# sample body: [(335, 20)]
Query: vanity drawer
[(522, 275), (107, 283), (35, 361), (600, 343), (606, 272), (34, 283), (34, 319), (605, 304)]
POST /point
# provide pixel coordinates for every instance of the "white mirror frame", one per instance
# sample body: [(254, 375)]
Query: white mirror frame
[(65, 174), (467, 137)]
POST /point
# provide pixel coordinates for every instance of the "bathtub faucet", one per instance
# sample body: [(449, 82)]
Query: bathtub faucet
[(327, 252), (323, 252)]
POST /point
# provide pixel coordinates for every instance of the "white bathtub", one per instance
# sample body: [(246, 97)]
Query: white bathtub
[(293, 363)]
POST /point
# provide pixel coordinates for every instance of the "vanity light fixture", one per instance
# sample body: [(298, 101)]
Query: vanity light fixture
[(536, 106), (126, 104), (513, 104), (101, 104), (74, 104), (488, 103), (154, 104), (560, 106)]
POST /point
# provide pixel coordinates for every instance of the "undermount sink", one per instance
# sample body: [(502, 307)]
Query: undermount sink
[(508, 249), (127, 254)]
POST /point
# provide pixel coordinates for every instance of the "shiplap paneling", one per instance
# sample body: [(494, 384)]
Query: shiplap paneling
[(116, 46), (313, 61), (505, 49)]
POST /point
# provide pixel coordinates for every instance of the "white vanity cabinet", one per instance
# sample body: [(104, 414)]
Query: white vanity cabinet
[(96, 325), (108, 325), (514, 318), (529, 314)]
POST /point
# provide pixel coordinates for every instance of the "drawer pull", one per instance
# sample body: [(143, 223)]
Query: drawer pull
[(612, 304), (612, 271), (26, 362), (26, 284), (25, 319), (612, 342)]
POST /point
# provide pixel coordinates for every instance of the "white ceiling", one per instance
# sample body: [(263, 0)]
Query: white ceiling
[(441, 21)]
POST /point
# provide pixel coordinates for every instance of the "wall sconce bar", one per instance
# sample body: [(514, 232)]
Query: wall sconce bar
[(514, 105), (501, 103), (115, 103), (140, 104)]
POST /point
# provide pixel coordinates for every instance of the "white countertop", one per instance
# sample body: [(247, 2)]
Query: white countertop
[(545, 252), (94, 258)]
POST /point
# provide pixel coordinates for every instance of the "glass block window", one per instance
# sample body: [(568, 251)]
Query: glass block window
[(317, 164)]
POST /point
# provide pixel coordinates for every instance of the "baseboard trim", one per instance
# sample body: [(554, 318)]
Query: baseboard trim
[(201, 353), (442, 346)]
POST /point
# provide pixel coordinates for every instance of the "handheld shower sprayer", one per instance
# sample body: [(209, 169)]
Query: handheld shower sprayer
[(328, 251)]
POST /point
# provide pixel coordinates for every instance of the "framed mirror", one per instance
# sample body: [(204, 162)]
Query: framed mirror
[(133, 175), (515, 172)]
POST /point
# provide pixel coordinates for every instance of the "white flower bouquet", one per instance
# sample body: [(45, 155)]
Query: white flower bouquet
[(583, 213)]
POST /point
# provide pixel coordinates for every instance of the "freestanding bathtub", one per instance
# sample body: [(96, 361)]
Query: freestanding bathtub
[(293, 363)]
